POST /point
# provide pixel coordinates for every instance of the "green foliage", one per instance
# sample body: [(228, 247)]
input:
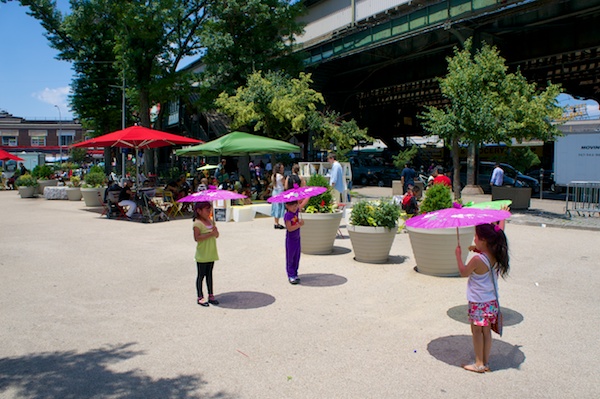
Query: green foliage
[(96, 169), (485, 103), (43, 172), (171, 174), (244, 36), (75, 181), (322, 203), (281, 106), (437, 197), (382, 213), (26, 180), (405, 156), (522, 158), (95, 179)]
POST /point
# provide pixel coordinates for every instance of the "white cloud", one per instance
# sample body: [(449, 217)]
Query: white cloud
[(55, 97)]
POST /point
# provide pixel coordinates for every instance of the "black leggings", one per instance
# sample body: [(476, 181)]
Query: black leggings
[(204, 269)]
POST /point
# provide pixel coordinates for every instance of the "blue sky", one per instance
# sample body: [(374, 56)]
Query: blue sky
[(32, 81)]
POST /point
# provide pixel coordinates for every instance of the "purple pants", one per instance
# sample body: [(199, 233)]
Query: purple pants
[(292, 255)]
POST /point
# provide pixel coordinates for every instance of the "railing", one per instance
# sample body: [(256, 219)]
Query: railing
[(583, 197)]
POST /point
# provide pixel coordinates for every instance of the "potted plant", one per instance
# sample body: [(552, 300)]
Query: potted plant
[(93, 189), (321, 220), (434, 248), (372, 229), (45, 177), (74, 189), (26, 185)]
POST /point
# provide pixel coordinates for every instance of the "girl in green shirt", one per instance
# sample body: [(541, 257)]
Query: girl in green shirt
[(205, 235)]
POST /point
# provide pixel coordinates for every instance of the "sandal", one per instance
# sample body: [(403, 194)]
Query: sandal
[(205, 304), (474, 368), (212, 300)]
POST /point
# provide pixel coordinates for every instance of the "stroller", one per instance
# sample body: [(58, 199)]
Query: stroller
[(150, 211)]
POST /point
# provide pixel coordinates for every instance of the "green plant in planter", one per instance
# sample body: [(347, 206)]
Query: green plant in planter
[(26, 180), (322, 203), (437, 197), (75, 181), (43, 172), (94, 180), (382, 213)]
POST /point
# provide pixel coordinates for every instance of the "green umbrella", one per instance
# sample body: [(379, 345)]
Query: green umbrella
[(237, 144), (498, 204), (207, 167)]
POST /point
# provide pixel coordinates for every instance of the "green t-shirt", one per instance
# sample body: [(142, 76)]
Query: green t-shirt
[(206, 250)]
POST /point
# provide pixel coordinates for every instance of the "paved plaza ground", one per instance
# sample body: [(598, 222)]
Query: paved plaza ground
[(98, 308)]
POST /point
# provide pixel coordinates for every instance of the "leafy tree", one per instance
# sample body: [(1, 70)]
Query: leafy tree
[(244, 36), (488, 104), (406, 156), (279, 106), (522, 158)]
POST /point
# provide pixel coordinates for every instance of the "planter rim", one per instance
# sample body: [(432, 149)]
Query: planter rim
[(352, 227)]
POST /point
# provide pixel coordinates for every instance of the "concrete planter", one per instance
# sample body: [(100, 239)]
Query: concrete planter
[(520, 196), (45, 183), (73, 193), (319, 231), (90, 196), (371, 244), (27, 191), (434, 249)]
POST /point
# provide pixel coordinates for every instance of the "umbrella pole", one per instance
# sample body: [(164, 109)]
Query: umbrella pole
[(457, 237)]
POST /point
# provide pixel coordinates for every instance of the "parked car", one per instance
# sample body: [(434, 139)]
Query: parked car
[(547, 179), (512, 177), (368, 170)]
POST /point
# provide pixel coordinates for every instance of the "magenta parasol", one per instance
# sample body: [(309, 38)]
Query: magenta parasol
[(297, 193), (211, 195)]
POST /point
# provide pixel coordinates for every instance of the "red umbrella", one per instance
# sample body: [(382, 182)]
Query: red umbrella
[(137, 137), (7, 156)]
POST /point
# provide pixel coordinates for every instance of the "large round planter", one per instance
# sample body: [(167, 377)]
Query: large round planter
[(45, 183), (371, 244), (434, 249), (73, 193), (91, 197), (319, 231), (27, 191)]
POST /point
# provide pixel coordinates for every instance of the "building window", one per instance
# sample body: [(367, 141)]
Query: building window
[(9, 141), (38, 141), (66, 137)]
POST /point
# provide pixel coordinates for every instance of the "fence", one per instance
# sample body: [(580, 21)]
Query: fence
[(583, 197)]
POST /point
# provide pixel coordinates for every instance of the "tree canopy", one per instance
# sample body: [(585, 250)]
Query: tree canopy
[(486, 103), (279, 106)]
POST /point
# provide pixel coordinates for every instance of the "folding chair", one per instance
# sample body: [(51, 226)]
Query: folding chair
[(172, 207), (105, 207)]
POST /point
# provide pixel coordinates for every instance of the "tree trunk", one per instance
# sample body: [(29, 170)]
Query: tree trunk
[(456, 166), (471, 165)]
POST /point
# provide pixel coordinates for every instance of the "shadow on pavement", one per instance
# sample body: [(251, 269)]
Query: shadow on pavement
[(322, 280), (244, 300), (510, 317), (457, 350), (90, 375)]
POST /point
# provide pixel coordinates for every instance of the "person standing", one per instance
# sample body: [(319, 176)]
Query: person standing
[(126, 198), (407, 177), (336, 178), (23, 169), (292, 241), (205, 235), (490, 261), (277, 208), (441, 178), (497, 176)]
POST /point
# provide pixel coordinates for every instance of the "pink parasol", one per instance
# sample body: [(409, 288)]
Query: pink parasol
[(457, 216), (211, 195), (297, 193)]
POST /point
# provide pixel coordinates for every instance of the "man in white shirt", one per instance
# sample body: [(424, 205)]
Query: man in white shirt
[(336, 179), (497, 176)]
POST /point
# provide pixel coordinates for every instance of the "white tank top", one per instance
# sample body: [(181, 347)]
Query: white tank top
[(480, 287), (279, 182)]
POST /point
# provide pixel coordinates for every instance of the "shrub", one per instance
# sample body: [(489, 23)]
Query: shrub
[(322, 203), (437, 197), (95, 179), (382, 213), (75, 181), (26, 180), (43, 172)]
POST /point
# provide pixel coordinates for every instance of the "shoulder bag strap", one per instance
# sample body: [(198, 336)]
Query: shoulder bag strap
[(493, 278)]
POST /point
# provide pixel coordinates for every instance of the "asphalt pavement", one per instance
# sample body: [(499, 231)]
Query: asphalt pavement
[(98, 308)]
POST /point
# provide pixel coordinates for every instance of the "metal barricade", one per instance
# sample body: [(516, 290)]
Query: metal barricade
[(583, 197)]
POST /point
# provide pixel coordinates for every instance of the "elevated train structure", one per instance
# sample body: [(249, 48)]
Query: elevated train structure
[(378, 60)]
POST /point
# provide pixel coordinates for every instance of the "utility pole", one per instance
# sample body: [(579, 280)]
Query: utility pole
[(59, 134)]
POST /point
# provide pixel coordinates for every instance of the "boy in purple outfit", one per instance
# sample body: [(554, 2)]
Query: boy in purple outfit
[(292, 240)]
